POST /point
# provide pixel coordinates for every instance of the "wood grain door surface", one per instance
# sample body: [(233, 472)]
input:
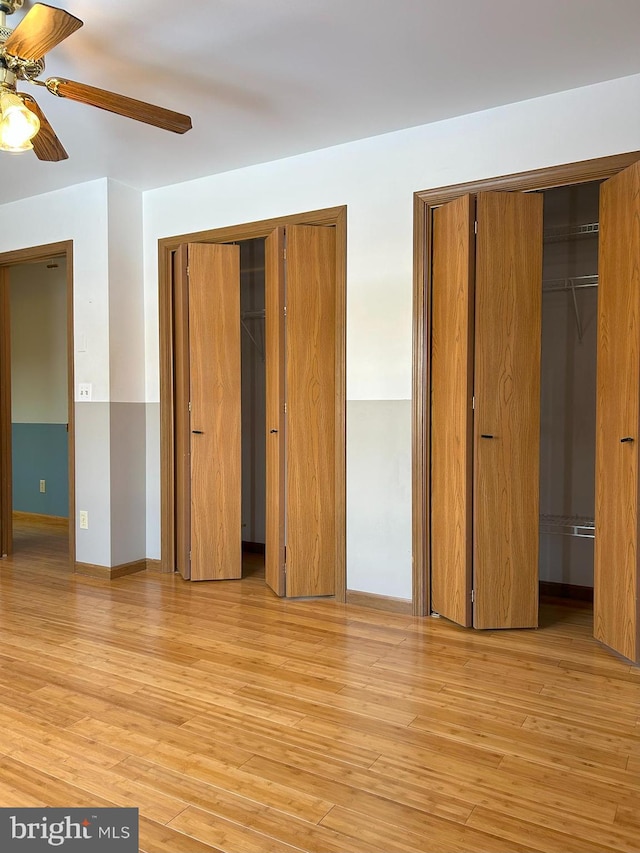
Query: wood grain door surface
[(215, 390), (311, 405), (182, 418), (6, 502), (508, 310), (451, 409), (275, 416), (616, 575)]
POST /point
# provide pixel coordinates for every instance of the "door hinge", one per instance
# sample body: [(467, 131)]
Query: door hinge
[(189, 556), (285, 310), (473, 596), (284, 253), (285, 408), (475, 227), (473, 402), (188, 272), (189, 405)]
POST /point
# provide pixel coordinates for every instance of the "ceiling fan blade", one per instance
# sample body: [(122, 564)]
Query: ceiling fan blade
[(42, 28), (46, 144), (119, 104)]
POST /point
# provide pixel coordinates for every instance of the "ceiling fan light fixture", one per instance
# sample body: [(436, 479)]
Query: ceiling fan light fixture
[(18, 125)]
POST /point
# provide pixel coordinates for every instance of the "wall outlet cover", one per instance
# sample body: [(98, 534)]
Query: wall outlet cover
[(84, 391)]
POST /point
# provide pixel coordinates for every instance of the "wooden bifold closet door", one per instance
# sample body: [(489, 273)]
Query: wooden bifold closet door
[(453, 286), (616, 570), (301, 393), (485, 460), (300, 345), (274, 335), (207, 423), (5, 418)]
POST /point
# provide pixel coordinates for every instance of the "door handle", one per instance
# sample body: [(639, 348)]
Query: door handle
[(627, 438), (274, 430), (485, 435), (197, 431)]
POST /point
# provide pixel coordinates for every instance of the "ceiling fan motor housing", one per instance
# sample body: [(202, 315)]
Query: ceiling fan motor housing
[(7, 78)]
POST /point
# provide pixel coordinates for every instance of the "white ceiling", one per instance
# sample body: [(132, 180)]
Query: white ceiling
[(264, 79)]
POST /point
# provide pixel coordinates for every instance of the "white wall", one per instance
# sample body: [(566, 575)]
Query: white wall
[(126, 295), (39, 343), (376, 179), (127, 413)]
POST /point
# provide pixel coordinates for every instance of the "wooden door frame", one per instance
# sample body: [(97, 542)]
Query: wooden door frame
[(423, 204), (7, 260), (334, 216)]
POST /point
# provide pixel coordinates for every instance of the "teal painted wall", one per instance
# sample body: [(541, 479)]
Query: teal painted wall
[(40, 452)]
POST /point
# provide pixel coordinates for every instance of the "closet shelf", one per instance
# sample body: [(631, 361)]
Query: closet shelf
[(571, 232), (568, 525)]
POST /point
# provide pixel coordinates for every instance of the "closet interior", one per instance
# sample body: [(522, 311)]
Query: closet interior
[(568, 390), (252, 320)]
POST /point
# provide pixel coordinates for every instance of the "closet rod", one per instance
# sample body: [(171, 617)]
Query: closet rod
[(576, 282), (252, 315), (561, 285)]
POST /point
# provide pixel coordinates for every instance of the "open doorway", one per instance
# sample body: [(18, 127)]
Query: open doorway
[(36, 412), (39, 403)]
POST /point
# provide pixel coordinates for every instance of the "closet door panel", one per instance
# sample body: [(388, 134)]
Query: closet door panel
[(275, 419), (616, 615), (508, 312), (182, 418), (6, 501), (451, 409), (310, 396), (215, 382)]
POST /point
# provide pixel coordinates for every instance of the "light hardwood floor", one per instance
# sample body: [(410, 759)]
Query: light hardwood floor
[(242, 723)]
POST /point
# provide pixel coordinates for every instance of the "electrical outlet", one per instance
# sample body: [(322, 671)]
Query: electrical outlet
[(43, 486), (84, 519), (84, 391)]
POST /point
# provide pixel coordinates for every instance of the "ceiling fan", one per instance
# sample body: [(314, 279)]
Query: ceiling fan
[(23, 125)]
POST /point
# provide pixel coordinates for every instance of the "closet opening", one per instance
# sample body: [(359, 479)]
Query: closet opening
[(568, 391), (526, 424), (222, 313), (253, 406)]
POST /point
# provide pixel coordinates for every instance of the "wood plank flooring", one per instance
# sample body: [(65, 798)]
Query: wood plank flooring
[(242, 723)]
